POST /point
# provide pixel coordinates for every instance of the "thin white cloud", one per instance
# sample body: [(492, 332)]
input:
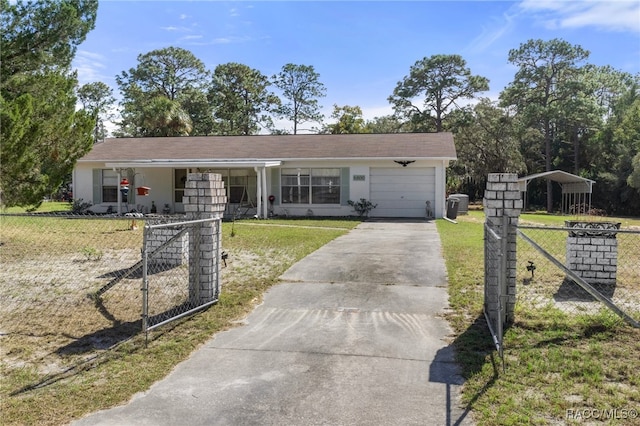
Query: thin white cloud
[(610, 15), (192, 37), (223, 40), (90, 66), (177, 29), (493, 31)]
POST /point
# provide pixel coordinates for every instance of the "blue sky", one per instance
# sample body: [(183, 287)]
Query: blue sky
[(361, 49)]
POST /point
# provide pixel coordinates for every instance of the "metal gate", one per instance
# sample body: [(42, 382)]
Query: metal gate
[(580, 271), (495, 285), (180, 269)]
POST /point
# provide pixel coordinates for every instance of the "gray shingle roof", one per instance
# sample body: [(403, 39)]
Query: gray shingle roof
[(276, 147)]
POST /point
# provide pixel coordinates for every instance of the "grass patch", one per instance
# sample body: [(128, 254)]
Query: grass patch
[(555, 363), (87, 382), (45, 207)]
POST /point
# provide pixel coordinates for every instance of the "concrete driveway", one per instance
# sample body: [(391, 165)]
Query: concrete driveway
[(352, 336)]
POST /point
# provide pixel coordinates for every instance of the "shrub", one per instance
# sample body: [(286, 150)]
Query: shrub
[(362, 207), (80, 206)]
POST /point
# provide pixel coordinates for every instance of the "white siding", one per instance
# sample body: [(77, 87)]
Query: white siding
[(402, 191)]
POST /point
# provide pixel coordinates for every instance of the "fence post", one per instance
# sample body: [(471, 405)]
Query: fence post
[(204, 198), (502, 205)]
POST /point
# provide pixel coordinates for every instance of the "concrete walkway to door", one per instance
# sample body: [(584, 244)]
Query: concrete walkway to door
[(353, 336)]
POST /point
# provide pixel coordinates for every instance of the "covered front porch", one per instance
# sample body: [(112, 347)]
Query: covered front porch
[(245, 185)]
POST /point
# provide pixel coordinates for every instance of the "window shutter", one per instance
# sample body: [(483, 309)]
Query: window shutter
[(275, 185), (97, 186), (344, 186)]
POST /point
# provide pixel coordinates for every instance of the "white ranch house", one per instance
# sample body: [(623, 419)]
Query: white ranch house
[(285, 175)]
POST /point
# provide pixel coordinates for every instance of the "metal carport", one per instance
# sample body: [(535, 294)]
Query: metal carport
[(576, 190)]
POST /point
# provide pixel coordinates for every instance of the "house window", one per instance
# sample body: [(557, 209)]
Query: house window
[(310, 186), (325, 186), (110, 186), (238, 193), (179, 181)]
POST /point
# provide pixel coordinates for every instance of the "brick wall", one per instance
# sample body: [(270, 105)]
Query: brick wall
[(592, 251), (176, 253)]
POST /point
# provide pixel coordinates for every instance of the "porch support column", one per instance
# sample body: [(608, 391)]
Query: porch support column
[(265, 206), (119, 195), (259, 191)]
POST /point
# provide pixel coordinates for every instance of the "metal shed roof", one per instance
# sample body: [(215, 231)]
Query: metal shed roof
[(568, 182), (576, 190)]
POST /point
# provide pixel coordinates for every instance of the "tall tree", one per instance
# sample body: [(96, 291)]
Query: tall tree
[(241, 100), (435, 85), (173, 73), (164, 117), (42, 133), (628, 135), (487, 141), (44, 33), (386, 124), (613, 161), (301, 87), (609, 85), (349, 120), (97, 99), (548, 85)]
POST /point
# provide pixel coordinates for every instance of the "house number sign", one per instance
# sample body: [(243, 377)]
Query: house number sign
[(358, 177)]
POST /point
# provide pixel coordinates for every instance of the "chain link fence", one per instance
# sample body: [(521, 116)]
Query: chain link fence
[(74, 284), (495, 288), (180, 269), (53, 313), (579, 271)]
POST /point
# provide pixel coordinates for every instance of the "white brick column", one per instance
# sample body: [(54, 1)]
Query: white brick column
[(204, 198), (502, 207)]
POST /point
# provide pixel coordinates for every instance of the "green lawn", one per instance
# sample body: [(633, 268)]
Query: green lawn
[(260, 251), (554, 364), (557, 367)]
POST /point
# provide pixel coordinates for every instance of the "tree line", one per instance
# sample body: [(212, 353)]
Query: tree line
[(559, 112)]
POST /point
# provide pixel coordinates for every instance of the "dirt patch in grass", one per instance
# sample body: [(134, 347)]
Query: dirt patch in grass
[(51, 318), (64, 352)]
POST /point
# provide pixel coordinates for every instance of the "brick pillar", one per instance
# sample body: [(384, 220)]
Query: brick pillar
[(502, 206), (592, 251), (204, 198)]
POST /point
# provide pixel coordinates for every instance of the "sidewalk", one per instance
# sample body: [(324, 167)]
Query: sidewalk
[(352, 336)]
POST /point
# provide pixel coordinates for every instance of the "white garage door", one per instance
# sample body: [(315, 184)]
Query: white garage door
[(402, 192)]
